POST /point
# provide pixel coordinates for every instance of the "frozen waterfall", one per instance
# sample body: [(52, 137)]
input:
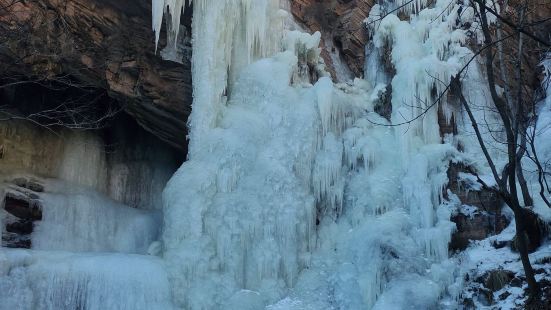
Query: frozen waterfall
[(66, 243), (296, 194)]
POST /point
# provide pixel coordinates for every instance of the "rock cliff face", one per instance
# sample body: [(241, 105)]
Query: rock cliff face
[(108, 45), (342, 27), (537, 20), (102, 44)]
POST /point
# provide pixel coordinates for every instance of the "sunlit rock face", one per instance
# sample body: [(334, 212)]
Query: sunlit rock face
[(344, 35)]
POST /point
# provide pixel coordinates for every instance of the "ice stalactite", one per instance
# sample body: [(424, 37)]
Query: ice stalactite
[(328, 182), (174, 10), (423, 188), (409, 7)]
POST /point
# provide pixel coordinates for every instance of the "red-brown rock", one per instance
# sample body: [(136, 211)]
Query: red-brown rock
[(102, 44), (340, 21)]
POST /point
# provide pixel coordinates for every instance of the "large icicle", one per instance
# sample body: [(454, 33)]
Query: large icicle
[(227, 35), (239, 214), (174, 10)]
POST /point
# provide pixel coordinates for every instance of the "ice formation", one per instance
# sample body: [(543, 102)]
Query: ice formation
[(87, 251), (543, 127), (241, 229), (295, 195), (61, 280), (298, 196), (544, 119), (70, 222), (81, 254)]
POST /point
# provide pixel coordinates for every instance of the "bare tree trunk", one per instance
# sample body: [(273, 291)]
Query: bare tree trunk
[(528, 201), (509, 191), (522, 243), (521, 120)]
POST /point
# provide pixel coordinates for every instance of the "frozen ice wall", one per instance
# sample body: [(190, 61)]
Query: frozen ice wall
[(83, 252), (60, 280), (84, 161), (543, 130), (240, 215), (296, 195), (425, 52), (87, 251), (82, 220)]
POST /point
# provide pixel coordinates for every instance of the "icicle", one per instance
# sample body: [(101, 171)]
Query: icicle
[(227, 36), (325, 103), (174, 10), (327, 180), (157, 11)]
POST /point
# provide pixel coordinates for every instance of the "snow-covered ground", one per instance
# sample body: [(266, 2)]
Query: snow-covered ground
[(494, 277)]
